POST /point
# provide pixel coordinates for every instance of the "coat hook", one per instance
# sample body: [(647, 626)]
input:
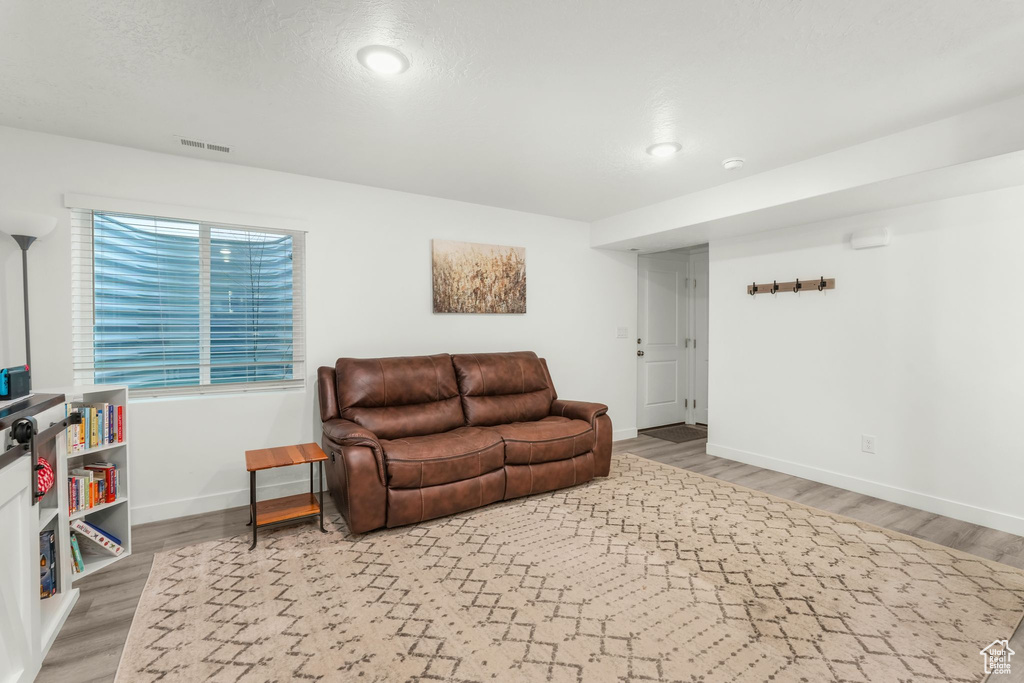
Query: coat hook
[(822, 284), (775, 286), (753, 289), (797, 286)]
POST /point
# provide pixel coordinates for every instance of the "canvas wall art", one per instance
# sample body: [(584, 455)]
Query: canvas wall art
[(478, 278)]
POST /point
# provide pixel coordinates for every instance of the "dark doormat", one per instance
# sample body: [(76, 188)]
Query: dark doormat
[(677, 433)]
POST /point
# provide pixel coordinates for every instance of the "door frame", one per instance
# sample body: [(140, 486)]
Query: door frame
[(680, 263), (688, 256), (694, 291)]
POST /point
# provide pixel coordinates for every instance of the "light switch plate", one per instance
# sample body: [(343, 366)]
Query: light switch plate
[(621, 332)]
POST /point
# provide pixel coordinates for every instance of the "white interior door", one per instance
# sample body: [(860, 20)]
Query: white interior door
[(18, 586), (699, 292), (661, 353)]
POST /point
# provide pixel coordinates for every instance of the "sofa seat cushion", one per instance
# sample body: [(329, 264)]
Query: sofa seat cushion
[(546, 440), (463, 453)]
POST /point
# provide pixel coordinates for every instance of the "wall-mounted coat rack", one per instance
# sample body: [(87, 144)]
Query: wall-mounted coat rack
[(798, 285)]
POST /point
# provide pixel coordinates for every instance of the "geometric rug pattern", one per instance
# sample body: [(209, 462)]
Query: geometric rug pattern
[(653, 574)]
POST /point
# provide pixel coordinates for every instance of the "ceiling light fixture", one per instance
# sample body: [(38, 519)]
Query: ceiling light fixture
[(733, 164), (664, 149), (383, 60), (225, 251)]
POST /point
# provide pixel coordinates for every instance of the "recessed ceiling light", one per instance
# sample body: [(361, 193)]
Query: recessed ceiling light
[(382, 59), (664, 149), (733, 164), (225, 251)]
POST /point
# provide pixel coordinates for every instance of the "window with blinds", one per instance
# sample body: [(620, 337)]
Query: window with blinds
[(168, 306)]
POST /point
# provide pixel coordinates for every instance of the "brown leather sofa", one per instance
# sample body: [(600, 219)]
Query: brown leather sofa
[(420, 437)]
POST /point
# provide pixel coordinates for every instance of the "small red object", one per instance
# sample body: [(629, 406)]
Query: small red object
[(44, 477)]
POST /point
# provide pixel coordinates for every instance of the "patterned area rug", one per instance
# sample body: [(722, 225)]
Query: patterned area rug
[(655, 573)]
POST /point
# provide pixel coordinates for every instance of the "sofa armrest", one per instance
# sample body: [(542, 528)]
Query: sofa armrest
[(578, 410), (345, 433)]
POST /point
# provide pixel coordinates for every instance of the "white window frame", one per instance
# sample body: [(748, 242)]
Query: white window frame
[(82, 296)]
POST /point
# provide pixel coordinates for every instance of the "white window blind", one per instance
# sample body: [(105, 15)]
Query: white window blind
[(168, 306)]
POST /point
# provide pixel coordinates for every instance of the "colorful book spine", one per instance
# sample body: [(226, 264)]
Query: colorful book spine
[(47, 569), (98, 530), (77, 563), (98, 537), (95, 484), (101, 425), (108, 472)]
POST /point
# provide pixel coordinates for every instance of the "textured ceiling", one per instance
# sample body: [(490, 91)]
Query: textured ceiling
[(539, 105)]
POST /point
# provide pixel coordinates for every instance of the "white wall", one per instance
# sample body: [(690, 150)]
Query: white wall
[(920, 345), (368, 255)]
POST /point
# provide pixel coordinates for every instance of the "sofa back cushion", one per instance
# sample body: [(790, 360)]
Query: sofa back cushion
[(399, 397), (498, 388)]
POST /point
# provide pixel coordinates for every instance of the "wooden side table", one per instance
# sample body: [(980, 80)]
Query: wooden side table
[(289, 508)]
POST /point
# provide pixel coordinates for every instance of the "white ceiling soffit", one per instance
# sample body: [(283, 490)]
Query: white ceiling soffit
[(972, 152), (544, 106)]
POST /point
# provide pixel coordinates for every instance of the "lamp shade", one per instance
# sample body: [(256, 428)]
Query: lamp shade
[(26, 223)]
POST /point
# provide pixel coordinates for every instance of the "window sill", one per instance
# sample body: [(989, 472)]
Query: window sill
[(189, 393)]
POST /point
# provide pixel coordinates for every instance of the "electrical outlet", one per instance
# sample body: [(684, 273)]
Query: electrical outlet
[(621, 332), (867, 443)]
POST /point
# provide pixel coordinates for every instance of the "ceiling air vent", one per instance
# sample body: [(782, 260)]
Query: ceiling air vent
[(199, 144)]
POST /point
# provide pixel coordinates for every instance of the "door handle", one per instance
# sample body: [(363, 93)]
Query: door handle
[(639, 352)]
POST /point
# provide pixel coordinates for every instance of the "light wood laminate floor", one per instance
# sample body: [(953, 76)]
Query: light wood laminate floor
[(89, 647)]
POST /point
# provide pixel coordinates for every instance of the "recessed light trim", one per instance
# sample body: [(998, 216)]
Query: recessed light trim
[(664, 149), (733, 164), (383, 60)]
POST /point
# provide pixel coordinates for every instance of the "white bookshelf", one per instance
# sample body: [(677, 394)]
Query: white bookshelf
[(53, 508)]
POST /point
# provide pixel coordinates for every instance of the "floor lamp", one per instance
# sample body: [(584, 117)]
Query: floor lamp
[(26, 228)]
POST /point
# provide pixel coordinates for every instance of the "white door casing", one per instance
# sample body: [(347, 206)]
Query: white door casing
[(661, 354), (699, 296)]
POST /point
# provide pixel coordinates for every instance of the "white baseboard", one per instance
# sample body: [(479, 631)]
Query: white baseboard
[(923, 501), (623, 434), (214, 501)]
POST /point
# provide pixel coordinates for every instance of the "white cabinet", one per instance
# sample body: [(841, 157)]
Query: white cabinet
[(28, 623), (19, 575)]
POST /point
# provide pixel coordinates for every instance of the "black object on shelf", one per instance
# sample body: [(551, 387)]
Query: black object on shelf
[(15, 382)]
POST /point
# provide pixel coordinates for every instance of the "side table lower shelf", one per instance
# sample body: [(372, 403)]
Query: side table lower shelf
[(286, 509)]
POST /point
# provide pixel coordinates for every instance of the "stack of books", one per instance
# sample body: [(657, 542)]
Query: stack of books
[(102, 424), (93, 484), (89, 539)]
